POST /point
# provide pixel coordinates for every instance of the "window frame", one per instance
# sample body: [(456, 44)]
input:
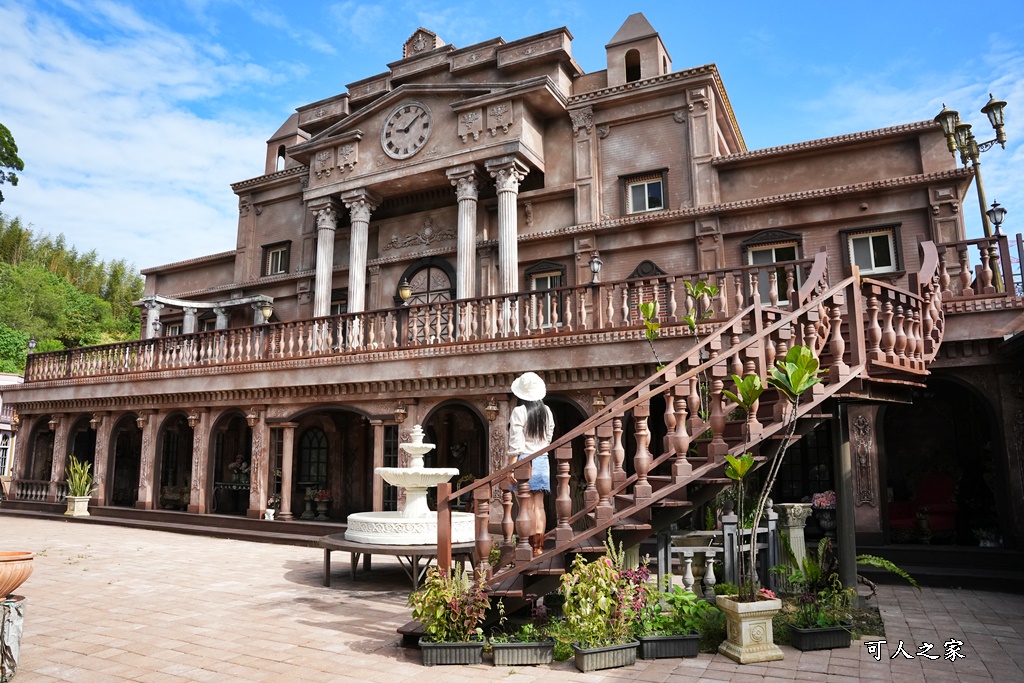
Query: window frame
[(659, 176), (284, 248), (780, 280), (554, 272), (895, 249)]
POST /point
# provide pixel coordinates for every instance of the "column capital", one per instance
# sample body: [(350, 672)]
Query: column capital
[(152, 304), (507, 172), (360, 203), (466, 179), (326, 211)]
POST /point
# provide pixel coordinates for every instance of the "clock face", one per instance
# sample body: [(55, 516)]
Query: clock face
[(406, 130)]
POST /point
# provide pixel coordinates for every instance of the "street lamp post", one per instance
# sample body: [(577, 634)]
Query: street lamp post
[(959, 138)]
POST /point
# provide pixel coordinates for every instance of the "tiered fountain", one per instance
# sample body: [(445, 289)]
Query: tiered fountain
[(416, 523)]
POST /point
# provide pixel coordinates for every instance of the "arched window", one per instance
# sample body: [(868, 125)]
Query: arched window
[(280, 158), (632, 65), (313, 457), (429, 284)]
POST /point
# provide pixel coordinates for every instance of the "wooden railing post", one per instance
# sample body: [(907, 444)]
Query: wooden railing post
[(563, 500), (444, 526), (642, 458), (681, 466), (482, 509), (590, 495), (524, 551), (605, 507), (618, 451)]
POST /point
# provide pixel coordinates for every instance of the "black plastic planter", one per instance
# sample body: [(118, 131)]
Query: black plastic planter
[(820, 638), (663, 647)]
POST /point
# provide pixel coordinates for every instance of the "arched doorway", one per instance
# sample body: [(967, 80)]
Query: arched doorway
[(460, 435), (174, 464), (39, 463), (83, 442), (431, 281), (941, 478), (334, 456), (231, 464), (568, 416), (126, 447)]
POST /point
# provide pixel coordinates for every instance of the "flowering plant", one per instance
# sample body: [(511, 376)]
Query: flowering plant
[(274, 501), (239, 465), (322, 495), (765, 594), (450, 605), (825, 499), (601, 601)]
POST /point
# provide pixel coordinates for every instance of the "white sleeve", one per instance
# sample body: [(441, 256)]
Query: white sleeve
[(549, 428), (516, 437)]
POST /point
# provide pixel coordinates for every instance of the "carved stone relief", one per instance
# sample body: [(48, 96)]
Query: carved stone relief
[(583, 118), (323, 163), (499, 116), (428, 234), (470, 126), (862, 444)]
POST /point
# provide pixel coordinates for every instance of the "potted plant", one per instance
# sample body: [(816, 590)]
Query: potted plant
[(822, 620), (824, 506), (450, 604), (670, 625), (322, 498), (80, 486), (749, 613), (527, 645), (272, 504), (599, 611)]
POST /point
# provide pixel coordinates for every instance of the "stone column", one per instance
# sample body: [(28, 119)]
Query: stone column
[(846, 539), (326, 225), (152, 316), (792, 518), (287, 460), (507, 173), (188, 323), (222, 318), (378, 461), (467, 189), (60, 442), (360, 203), (144, 501), (260, 468), (102, 460), (200, 456)]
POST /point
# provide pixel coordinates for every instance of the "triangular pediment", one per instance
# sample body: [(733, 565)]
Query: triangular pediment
[(636, 27)]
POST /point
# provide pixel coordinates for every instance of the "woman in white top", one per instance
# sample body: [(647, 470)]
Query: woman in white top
[(530, 429)]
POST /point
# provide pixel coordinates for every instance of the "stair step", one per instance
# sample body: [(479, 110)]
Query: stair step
[(671, 503)]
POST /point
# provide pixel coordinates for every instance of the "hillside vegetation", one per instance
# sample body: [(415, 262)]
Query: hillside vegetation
[(59, 297)]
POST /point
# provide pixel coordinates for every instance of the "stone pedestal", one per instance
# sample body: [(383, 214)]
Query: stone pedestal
[(12, 625), (749, 627)]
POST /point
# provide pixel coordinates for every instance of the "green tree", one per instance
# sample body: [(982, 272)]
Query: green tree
[(9, 159)]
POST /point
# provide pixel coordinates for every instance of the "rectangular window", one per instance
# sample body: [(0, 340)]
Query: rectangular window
[(172, 330), (873, 252), (763, 256), (5, 448), (390, 460), (207, 324), (275, 258), (645, 192), (546, 301)]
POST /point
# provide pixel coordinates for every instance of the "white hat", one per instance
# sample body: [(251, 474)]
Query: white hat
[(529, 387)]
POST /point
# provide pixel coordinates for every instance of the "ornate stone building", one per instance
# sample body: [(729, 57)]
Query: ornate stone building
[(414, 243)]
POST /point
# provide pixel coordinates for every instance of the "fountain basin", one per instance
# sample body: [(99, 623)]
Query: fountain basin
[(409, 477), (393, 528)]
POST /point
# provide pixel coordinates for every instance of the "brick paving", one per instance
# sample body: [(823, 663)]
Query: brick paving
[(111, 604)]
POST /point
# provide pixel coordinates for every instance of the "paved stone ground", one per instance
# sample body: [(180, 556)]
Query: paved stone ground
[(110, 604)]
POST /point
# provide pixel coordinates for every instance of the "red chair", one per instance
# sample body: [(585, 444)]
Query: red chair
[(930, 513)]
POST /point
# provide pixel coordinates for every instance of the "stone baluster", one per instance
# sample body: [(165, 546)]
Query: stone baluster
[(901, 335), (755, 291), (669, 416), (507, 523), (584, 318), (874, 330), (681, 439), (754, 427), (888, 332), (689, 305), (482, 498), (965, 272), (590, 495), (688, 570), (605, 506), (911, 325), (718, 447), (837, 346), (790, 282), (642, 457), (705, 300), (618, 451), (709, 573), (770, 351), (737, 284), (563, 500), (986, 269), (722, 306), (811, 337), (693, 403), (625, 306), (773, 286), (672, 305), (927, 325), (943, 284), (610, 313)]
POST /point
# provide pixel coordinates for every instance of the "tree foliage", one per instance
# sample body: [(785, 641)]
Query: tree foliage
[(60, 297), (9, 159)]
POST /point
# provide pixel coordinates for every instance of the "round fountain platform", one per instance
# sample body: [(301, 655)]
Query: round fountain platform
[(392, 528)]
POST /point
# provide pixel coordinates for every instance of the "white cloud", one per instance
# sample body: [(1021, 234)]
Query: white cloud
[(114, 157)]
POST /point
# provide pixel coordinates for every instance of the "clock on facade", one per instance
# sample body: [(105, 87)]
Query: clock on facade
[(406, 130)]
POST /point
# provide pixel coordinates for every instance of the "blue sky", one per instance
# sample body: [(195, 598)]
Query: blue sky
[(134, 117)]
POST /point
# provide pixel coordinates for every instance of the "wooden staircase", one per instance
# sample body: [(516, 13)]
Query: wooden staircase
[(861, 330)]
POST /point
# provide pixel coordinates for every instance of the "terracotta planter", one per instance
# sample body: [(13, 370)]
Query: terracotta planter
[(523, 654), (451, 653), (749, 629), (15, 567), (78, 506), (592, 659), (805, 639), (662, 647)]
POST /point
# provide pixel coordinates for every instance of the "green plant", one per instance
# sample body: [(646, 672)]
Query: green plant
[(792, 377), (882, 563), (827, 608), (712, 630), (816, 569), (600, 601), (79, 477), (677, 611), (450, 605), (533, 631), (560, 632), (726, 588), (648, 310)]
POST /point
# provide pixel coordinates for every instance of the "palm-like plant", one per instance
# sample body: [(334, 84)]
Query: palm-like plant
[(79, 477)]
